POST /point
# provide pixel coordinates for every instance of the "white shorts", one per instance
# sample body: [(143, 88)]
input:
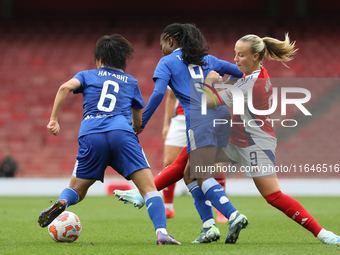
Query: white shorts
[(176, 135), (255, 162)]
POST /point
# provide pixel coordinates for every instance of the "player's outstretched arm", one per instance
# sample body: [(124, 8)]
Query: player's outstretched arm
[(72, 85), (155, 99), (170, 104)]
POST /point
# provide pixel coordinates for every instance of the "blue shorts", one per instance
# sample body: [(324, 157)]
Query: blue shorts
[(118, 148), (206, 134)]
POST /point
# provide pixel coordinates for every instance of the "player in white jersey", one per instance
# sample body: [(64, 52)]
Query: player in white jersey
[(252, 139), (253, 145)]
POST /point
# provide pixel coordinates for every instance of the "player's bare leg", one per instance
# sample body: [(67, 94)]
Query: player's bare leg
[(143, 179), (267, 185), (136, 196), (168, 176), (81, 186)]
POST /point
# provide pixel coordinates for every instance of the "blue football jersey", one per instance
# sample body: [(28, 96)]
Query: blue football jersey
[(109, 94), (186, 83)]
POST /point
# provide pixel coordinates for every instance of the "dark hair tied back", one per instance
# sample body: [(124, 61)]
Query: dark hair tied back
[(191, 41)]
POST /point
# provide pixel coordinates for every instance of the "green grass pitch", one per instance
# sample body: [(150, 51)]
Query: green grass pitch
[(109, 227)]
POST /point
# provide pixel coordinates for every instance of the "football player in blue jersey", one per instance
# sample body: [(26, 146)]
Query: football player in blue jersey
[(112, 107), (184, 67)]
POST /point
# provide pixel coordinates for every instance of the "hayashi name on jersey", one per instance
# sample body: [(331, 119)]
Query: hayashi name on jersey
[(121, 77)]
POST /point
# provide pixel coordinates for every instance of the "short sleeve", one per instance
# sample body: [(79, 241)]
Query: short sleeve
[(162, 70), (227, 97), (80, 77), (137, 101), (239, 90)]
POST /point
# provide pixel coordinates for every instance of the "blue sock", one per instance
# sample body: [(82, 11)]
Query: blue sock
[(156, 210), (71, 195), (216, 194), (203, 206)]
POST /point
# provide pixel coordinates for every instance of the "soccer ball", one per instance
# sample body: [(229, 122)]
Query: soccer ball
[(65, 228)]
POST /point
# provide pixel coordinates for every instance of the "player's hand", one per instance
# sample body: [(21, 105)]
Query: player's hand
[(53, 127), (138, 130), (213, 77), (165, 131)]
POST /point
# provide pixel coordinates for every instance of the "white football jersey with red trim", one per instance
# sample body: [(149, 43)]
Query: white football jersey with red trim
[(249, 128)]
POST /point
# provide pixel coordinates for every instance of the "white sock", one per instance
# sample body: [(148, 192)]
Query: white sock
[(163, 230), (232, 216), (322, 231), (208, 223), (169, 206)]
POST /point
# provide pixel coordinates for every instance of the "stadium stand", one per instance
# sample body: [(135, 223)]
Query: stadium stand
[(38, 57)]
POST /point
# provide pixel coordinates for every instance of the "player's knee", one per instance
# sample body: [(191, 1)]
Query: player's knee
[(168, 160), (187, 179), (273, 196)]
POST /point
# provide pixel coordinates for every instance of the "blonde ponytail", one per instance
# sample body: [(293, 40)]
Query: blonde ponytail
[(282, 51), (272, 48)]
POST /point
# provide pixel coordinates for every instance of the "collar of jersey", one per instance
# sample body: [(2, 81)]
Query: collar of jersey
[(112, 68), (177, 49), (256, 71)]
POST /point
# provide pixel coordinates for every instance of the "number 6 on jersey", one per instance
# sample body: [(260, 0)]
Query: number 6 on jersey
[(107, 95)]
